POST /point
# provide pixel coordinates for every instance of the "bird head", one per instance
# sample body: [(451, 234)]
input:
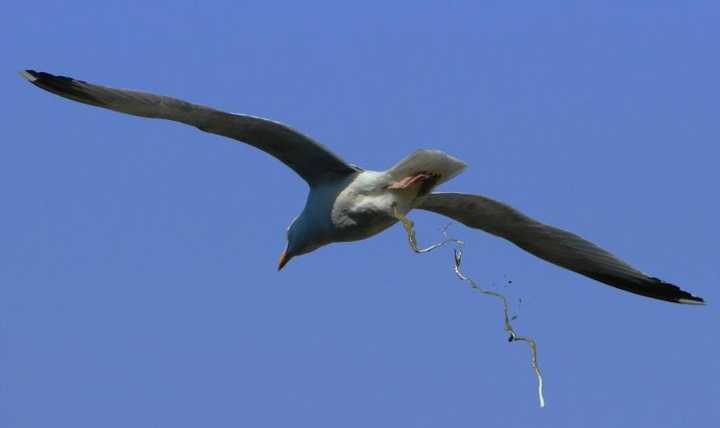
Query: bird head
[(301, 239)]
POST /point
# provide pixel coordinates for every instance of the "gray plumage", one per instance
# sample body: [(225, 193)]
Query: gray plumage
[(347, 203)]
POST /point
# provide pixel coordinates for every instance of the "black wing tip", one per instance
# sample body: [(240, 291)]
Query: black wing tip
[(38, 77), (649, 287), (61, 85), (675, 294)]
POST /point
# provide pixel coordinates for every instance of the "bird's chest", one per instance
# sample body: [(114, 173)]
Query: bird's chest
[(359, 214)]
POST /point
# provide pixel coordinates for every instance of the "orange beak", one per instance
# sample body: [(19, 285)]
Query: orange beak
[(284, 258)]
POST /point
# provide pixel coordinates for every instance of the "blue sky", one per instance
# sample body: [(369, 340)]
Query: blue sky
[(138, 283)]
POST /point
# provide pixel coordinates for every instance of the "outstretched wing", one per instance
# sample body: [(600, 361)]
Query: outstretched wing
[(309, 159), (552, 244)]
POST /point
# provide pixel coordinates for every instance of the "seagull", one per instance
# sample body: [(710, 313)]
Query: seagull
[(347, 203)]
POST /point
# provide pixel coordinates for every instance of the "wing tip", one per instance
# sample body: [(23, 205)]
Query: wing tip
[(30, 75), (44, 80), (697, 301), (648, 286), (63, 86), (676, 294)]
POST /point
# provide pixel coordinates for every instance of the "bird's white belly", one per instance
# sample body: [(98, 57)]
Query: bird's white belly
[(366, 206)]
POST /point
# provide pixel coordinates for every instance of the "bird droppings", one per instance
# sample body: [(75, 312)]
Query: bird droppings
[(409, 227)]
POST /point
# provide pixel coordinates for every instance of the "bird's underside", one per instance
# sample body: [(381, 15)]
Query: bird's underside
[(419, 173)]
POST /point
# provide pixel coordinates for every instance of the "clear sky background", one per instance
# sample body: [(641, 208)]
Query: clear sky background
[(138, 283)]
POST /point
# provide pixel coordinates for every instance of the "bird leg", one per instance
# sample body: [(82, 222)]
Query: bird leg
[(425, 180), (411, 180), (409, 227)]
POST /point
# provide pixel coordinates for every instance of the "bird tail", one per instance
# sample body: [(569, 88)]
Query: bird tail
[(433, 162)]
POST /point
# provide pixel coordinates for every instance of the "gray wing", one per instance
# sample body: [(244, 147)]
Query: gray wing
[(309, 159), (552, 244)]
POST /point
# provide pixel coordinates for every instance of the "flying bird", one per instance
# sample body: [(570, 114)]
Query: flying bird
[(348, 203)]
